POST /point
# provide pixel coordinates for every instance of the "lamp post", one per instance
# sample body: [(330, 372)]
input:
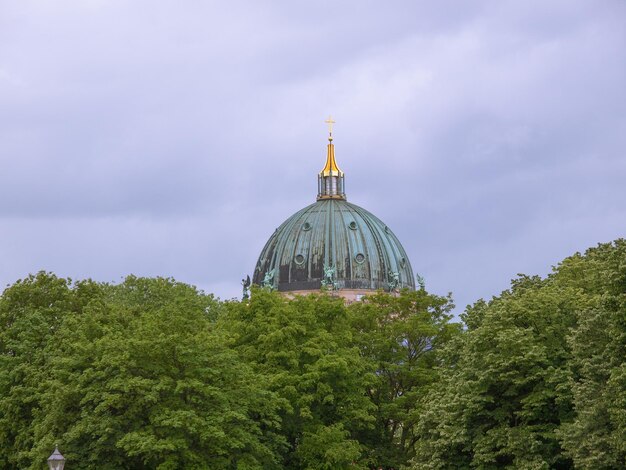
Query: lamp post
[(56, 461)]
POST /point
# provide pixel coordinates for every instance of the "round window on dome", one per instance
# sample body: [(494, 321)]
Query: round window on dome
[(352, 225), (402, 262), (306, 227), (359, 258), (299, 259)]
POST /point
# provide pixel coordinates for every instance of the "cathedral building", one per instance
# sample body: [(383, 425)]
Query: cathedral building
[(333, 245)]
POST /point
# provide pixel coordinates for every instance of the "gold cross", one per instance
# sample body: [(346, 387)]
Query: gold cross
[(330, 123)]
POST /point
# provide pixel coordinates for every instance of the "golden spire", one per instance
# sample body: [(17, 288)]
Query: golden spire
[(331, 168)]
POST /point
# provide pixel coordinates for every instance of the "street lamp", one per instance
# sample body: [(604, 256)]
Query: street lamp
[(56, 461)]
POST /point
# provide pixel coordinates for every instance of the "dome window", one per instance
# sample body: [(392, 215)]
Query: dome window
[(299, 259), (352, 225), (359, 258), (306, 227), (403, 263)]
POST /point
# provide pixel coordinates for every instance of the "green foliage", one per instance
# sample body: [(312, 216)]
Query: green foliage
[(596, 437), (31, 312), (351, 377), (135, 377), (401, 337), (498, 406), (151, 373), (303, 349), (536, 381)]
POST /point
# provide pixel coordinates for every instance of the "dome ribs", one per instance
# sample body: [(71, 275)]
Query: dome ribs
[(333, 232)]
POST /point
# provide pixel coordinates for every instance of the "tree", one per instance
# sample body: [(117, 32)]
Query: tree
[(499, 405), (401, 337), (596, 436), (31, 312), (138, 377), (537, 380), (303, 349)]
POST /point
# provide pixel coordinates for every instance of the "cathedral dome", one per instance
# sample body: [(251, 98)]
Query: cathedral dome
[(334, 244), (334, 233)]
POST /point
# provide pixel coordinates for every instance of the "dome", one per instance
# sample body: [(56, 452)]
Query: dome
[(333, 233), (333, 244)]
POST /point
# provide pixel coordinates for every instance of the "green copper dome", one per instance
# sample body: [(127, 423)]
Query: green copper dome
[(363, 250), (333, 243)]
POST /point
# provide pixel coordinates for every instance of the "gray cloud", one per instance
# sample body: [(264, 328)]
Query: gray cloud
[(170, 139)]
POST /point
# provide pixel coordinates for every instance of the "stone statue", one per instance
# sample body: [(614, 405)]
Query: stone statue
[(246, 288), (268, 280), (393, 281), (328, 281), (420, 281)]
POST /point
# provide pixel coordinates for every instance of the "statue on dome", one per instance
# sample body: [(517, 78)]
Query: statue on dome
[(420, 281), (329, 278), (246, 287), (393, 281), (268, 280)]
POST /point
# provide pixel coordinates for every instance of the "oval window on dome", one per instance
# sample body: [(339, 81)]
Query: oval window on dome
[(387, 229), (299, 259), (306, 227), (352, 225), (359, 258), (402, 262)]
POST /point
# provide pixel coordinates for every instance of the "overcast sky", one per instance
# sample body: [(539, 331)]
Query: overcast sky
[(171, 138)]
